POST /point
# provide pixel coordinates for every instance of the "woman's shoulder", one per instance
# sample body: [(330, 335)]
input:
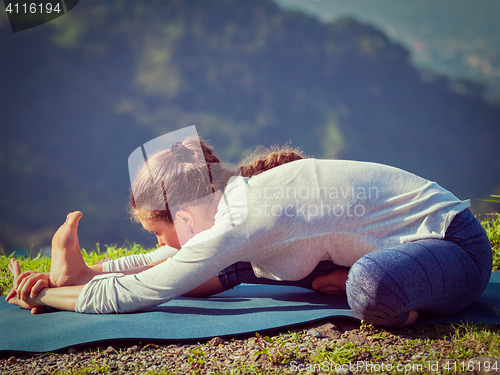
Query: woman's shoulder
[(336, 170)]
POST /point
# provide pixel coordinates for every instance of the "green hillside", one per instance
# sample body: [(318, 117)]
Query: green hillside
[(79, 94)]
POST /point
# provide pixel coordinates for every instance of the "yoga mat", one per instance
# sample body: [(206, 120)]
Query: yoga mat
[(244, 310)]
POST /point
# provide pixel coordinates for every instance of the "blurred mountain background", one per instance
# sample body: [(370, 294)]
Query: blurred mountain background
[(80, 93), (458, 38)]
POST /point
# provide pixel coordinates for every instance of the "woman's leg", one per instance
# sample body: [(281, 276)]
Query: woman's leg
[(433, 276), (67, 266), (242, 273)]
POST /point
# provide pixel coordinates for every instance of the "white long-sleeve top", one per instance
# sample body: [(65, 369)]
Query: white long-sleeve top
[(285, 221), (138, 260)]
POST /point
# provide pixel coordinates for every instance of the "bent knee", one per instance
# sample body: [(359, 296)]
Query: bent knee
[(373, 299)]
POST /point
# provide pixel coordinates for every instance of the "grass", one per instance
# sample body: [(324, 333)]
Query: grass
[(491, 225), (423, 350)]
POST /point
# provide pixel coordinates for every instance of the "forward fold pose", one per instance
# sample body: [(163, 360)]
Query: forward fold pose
[(395, 243)]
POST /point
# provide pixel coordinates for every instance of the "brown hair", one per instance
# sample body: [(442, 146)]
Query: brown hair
[(264, 159), (187, 180)]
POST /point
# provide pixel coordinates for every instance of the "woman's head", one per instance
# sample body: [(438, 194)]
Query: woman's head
[(173, 196), (173, 185)]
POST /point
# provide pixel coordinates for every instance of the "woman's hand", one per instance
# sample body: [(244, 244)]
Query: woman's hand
[(28, 283), (26, 286), (15, 270), (36, 307)]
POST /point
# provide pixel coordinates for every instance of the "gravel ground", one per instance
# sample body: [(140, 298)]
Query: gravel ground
[(292, 352)]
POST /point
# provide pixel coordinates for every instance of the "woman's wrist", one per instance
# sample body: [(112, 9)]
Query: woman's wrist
[(97, 267), (63, 298)]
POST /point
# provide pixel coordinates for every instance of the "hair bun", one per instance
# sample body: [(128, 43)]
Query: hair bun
[(181, 152)]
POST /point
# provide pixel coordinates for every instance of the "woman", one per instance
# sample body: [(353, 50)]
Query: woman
[(405, 244), (30, 283)]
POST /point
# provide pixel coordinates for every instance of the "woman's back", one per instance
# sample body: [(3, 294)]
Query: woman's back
[(312, 210)]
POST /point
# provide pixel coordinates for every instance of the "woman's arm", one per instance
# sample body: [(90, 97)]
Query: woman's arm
[(29, 284), (97, 267), (136, 260), (194, 265), (63, 298), (210, 287)]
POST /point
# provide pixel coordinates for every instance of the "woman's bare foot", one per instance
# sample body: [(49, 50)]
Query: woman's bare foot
[(67, 265), (411, 318), (333, 283)]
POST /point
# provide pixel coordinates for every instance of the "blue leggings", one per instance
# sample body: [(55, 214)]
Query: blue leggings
[(436, 276)]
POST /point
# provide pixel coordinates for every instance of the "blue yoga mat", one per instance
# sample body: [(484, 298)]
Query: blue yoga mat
[(244, 310)]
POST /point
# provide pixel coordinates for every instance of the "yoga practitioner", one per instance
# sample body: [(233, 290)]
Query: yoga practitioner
[(395, 243)]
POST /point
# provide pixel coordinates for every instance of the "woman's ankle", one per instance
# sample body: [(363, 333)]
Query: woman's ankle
[(332, 283)]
